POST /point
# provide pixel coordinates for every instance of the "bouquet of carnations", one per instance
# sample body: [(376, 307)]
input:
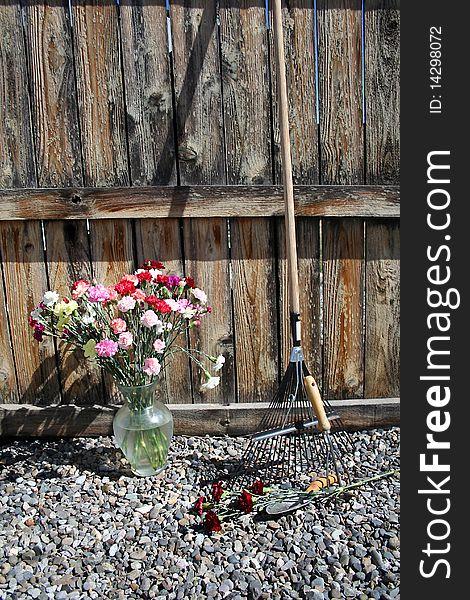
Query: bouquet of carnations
[(132, 328)]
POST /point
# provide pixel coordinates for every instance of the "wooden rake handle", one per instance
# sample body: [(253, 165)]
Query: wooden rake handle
[(313, 394), (286, 161)]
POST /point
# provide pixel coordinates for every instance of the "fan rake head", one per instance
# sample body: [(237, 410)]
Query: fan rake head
[(294, 442)]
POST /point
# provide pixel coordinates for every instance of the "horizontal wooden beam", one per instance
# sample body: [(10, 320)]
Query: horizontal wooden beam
[(197, 201), (21, 420)]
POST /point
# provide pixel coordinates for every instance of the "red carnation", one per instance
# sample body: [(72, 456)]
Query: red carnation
[(151, 299), (212, 522), (31, 321), (258, 487), (217, 491), (124, 287), (144, 276), (161, 306), (38, 331), (153, 264), (190, 282), (162, 279), (245, 502), (198, 506)]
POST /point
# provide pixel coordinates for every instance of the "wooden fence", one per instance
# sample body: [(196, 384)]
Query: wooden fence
[(114, 149)]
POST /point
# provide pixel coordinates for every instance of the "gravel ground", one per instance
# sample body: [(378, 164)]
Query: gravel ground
[(74, 523)]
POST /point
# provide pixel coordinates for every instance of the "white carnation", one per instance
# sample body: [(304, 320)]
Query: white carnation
[(219, 363), (50, 298), (211, 383)]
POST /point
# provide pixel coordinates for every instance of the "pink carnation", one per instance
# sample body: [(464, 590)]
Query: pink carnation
[(183, 305), (173, 304), (151, 366), (98, 293), (200, 295), (159, 346), (125, 340), (113, 295), (118, 325), (126, 303), (149, 318), (79, 288), (106, 348), (138, 295)]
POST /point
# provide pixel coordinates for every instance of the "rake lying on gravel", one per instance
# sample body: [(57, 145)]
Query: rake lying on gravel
[(295, 436)]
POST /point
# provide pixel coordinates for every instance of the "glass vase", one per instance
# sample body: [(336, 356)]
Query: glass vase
[(143, 428)]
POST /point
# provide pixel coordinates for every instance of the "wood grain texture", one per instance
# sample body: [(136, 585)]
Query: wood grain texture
[(382, 338), (21, 247), (207, 261), (16, 158), (200, 419), (25, 281), (343, 282), (8, 385), (340, 89), (299, 44), (255, 308), (101, 105), (308, 234), (247, 121), (58, 156), (160, 239), (382, 90), (198, 92), (198, 201), (53, 98), (100, 94), (342, 162), (148, 92), (245, 83), (201, 159), (16, 149)]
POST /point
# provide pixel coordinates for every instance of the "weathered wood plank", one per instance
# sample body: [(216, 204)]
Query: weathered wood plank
[(198, 92), (382, 318), (8, 385), (148, 93), (25, 280), (160, 239), (255, 308), (101, 109), (308, 255), (53, 98), (200, 419), (201, 159), (247, 122), (382, 336), (198, 201), (102, 119), (245, 83), (16, 155), (21, 246), (382, 90), (16, 158), (207, 261), (343, 281), (342, 162), (100, 94), (58, 157), (299, 44), (340, 89)]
